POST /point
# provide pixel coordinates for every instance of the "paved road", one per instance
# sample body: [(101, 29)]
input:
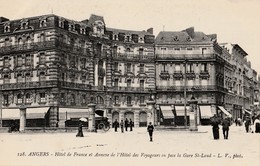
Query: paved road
[(131, 148)]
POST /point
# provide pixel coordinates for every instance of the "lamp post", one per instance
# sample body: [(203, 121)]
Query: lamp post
[(1, 114)]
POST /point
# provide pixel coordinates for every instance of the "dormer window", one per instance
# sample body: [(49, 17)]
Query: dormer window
[(127, 38), (71, 27), (176, 38), (83, 31), (7, 28), (24, 25), (141, 39), (43, 23), (115, 37), (61, 23)]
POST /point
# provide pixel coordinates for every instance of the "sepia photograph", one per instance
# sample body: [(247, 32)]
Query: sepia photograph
[(129, 82)]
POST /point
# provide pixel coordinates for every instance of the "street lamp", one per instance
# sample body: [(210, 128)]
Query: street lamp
[(185, 93)]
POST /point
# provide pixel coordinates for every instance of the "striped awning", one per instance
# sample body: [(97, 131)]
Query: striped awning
[(225, 111), (167, 112), (180, 110), (205, 112), (68, 113), (10, 114), (36, 113)]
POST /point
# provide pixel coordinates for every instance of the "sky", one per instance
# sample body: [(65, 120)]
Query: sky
[(234, 21)]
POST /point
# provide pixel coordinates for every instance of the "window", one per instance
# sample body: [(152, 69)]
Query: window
[(164, 67), (73, 99), (115, 37), (128, 100), (42, 38), (116, 83), (19, 99), (19, 60), (141, 51), (6, 79), (61, 23), (42, 98), (42, 76), (128, 83), (6, 99), (62, 98), (7, 42), (6, 62), (141, 99), (42, 58), (28, 41), (7, 28), (204, 67), (116, 66), (27, 98), (190, 67), (20, 41), (43, 23), (28, 77), (128, 38), (189, 49), (142, 84), (116, 99), (203, 50), (28, 60), (177, 49), (163, 50), (100, 100), (141, 68), (128, 51), (19, 78), (84, 99), (128, 67)]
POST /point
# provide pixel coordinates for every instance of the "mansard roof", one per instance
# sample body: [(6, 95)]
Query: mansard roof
[(93, 18), (128, 31), (185, 36)]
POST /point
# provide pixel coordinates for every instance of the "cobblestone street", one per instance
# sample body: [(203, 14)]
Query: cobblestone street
[(131, 148)]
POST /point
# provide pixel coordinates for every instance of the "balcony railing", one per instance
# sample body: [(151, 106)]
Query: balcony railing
[(129, 89), (191, 88), (121, 56), (185, 56), (25, 85)]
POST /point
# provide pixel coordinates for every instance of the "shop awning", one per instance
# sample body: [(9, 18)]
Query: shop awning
[(10, 114), (225, 111), (167, 112), (205, 112), (247, 111), (68, 113), (180, 110), (36, 113)]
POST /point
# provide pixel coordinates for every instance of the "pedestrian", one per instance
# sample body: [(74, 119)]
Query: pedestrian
[(247, 124), (150, 129), (122, 126), (215, 128), (116, 125), (126, 124), (225, 127), (131, 124), (256, 127), (80, 131), (236, 122)]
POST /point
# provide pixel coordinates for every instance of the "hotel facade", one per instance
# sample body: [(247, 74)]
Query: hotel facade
[(54, 68)]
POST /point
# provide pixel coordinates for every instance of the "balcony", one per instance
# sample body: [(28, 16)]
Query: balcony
[(134, 57), (184, 56), (29, 85), (204, 74), (178, 75), (164, 75), (191, 88), (190, 75), (129, 89)]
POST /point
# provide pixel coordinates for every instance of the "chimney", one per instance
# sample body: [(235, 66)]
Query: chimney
[(3, 19), (150, 30)]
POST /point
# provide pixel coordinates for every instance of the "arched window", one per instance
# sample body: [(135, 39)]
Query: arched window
[(19, 78), (28, 41), (28, 77), (20, 41), (19, 98), (73, 99), (42, 38), (128, 100), (100, 100), (28, 98)]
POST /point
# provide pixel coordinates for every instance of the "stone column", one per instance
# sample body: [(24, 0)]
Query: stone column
[(54, 111), (193, 114), (22, 118), (150, 112), (136, 118), (91, 119)]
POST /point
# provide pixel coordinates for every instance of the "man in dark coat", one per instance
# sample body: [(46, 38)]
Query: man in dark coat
[(225, 127), (247, 124), (215, 128), (116, 125), (131, 124), (150, 129), (126, 124)]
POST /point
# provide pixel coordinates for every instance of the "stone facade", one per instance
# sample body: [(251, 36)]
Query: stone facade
[(56, 67)]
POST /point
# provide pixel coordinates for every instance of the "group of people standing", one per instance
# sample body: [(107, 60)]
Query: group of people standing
[(215, 122), (124, 124)]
